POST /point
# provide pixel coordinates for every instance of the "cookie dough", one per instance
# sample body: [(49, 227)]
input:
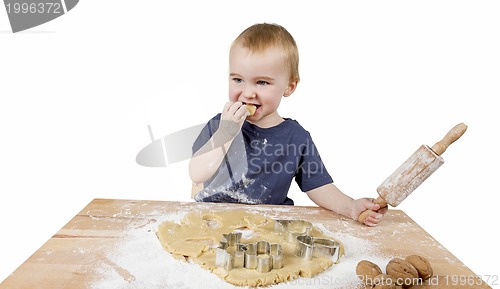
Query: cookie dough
[(251, 109), (198, 235)]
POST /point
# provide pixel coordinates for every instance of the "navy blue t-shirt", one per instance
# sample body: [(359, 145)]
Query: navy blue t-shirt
[(261, 164)]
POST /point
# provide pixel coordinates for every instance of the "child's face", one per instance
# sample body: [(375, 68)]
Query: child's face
[(261, 79)]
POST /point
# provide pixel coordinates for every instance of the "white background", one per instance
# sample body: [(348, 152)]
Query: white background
[(379, 78)]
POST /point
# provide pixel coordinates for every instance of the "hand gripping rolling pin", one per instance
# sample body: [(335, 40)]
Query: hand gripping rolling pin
[(414, 171)]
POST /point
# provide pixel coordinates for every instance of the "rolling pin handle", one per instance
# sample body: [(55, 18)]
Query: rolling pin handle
[(455, 133), (381, 202), (362, 217)]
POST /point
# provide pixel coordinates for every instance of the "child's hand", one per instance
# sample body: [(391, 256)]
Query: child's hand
[(232, 118), (364, 204)]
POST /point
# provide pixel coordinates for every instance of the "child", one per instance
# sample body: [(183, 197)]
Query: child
[(252, 159)]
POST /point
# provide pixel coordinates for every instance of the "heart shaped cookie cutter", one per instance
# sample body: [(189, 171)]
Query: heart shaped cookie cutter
[(289, 230)]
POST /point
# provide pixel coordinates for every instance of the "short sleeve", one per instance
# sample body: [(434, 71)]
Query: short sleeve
[(206, 133), (311, 173)]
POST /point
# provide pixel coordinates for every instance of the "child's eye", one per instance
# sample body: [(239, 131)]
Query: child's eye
[(237, 80), (262, 82)]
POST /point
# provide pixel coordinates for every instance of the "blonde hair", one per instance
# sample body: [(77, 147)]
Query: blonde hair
[(259, 37)]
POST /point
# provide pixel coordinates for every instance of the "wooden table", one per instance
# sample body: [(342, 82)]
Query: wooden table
[(70, 257)]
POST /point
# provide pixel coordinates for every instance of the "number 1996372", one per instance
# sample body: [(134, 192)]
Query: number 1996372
[(34, 8)]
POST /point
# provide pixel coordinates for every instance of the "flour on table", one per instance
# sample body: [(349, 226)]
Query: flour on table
[(139, 261)]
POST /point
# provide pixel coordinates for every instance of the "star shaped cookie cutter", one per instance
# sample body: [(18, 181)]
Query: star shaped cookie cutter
[(261, 256), (230, 253)]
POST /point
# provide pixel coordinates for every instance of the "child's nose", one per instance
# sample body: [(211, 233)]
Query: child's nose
[(248, 92)]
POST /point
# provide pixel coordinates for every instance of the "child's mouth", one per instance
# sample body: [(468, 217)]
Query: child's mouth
[(252, 108), (256, 105)]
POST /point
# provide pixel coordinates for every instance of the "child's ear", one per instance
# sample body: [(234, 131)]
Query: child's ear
[(291, 87)]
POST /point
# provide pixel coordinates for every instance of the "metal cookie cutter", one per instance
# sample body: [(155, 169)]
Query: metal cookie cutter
[(289, 230), (308, 247), (230, 254), (263, 256)]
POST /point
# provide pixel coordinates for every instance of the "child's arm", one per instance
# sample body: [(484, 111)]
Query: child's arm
[(330, 197), (208, 158)]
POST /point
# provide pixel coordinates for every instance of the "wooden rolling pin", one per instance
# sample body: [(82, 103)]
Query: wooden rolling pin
[(419, 166)]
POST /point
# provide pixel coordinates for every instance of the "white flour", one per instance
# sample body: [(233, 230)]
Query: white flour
[(140, 262)]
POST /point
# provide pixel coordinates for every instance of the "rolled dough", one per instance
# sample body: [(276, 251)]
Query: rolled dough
[(197, 236)]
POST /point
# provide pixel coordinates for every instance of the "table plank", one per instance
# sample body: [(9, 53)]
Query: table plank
[(70, 258)]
